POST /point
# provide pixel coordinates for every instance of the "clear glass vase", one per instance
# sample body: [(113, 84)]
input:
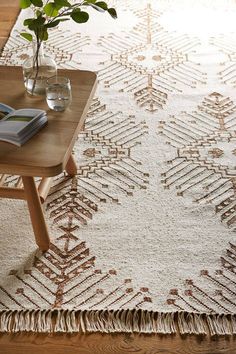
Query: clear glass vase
[(37, 69)]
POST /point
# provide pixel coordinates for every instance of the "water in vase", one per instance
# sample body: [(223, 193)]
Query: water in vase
[(35, 83)]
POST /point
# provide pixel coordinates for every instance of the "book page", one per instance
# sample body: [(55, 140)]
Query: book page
[(19, 125), (4, 110)]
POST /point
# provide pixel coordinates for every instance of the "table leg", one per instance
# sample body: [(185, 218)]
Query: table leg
[(36, 213), (71, 167)]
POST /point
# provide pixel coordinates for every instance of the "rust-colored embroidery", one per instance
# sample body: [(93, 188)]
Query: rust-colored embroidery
[(200, 163), (151, 62)]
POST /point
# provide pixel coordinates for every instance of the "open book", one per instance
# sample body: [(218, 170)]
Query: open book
[(18, 126)]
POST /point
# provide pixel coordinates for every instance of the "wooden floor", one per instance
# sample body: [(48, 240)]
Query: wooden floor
[(8, 14), (113, 344), (101, 343)]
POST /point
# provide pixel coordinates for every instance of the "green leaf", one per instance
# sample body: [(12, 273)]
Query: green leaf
[(36, 24), (39, 13), (27, 36), (43, 35), (52, 24), (102, 5), (25, 3), (38, 3), (50, 9), (61, 3), (28, 21), (112, 12), (79, 16)]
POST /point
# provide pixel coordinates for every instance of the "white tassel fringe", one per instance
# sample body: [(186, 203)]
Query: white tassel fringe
[(106, 321)]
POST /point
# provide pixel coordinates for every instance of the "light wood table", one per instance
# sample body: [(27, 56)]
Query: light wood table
[(48, 153)]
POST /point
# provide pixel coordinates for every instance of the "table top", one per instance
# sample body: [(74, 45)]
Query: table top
[(46, 153)]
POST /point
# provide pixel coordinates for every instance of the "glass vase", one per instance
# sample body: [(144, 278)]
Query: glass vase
[(37, 69)]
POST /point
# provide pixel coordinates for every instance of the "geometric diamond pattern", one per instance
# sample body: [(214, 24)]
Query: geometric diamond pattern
[(149, 62), (205, 142)]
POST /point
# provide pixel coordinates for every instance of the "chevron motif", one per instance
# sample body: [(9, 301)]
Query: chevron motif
[(149, 62), (107, 144), (205, 142), (226, 45), (59, 272), (196, 296), (62, 270), (62, 45), (105, 169)]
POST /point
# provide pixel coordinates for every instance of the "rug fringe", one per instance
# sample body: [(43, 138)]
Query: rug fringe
[(140, 321)]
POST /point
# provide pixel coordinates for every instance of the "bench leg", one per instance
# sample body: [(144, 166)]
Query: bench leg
[(36, 213), (44, 188), (71, 167)]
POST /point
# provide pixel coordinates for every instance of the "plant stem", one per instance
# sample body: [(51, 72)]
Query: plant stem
[(36, 63), (64, 13)]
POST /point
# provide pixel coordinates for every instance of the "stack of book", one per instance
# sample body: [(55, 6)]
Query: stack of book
[(18, 126)]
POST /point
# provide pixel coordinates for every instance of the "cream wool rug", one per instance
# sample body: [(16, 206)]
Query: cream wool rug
[(143, 239)]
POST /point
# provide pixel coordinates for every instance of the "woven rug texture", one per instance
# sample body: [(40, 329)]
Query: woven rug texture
[(143, 238)]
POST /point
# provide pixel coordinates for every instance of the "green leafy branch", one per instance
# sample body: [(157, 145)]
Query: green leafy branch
[(48, 14)]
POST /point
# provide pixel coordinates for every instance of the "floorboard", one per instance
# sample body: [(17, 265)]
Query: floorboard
[(26, 343), (8, 13), (97, 343)]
